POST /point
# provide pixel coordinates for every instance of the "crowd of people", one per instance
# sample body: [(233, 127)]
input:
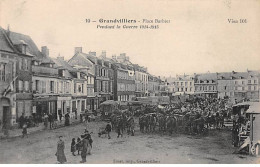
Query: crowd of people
[(192, 116)]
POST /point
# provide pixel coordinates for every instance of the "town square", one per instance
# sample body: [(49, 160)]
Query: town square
[(101, 83)]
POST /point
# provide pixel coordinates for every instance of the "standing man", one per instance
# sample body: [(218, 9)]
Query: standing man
[(45, 118), (108, 129), (51, 120), (22, 120), (119, 127), (67, 119), (85, 145)]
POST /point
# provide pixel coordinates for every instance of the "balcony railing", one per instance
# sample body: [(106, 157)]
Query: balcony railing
[(44, 70)]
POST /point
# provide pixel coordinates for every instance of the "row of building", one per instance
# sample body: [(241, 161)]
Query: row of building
[(33, 83), (233, 85)]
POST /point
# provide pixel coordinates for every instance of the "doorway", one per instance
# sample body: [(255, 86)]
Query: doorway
[(6, 117)]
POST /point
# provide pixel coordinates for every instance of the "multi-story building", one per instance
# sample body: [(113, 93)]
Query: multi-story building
[(253, 82), (206, 85), (51, 87), (141, 81), (101, 68), (184, 84), (153, 85), (74, 102), (124, 84), (15, 77)]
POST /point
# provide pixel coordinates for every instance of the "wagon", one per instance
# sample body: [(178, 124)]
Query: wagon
[(107, 108)]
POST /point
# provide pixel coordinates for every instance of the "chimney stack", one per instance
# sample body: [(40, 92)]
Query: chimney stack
[(60, 57), (45, 51), (114, 57), (8, 31), (93, 53), (78, 50), (103, 54)]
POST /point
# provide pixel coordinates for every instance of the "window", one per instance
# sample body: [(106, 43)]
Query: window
[(185, 83), (26, 64), (235, 82), (26, 86), (255, 81), (2, 72), (79, 88), (43, 86), (249, 81), (75, 87), (37, 82), (20, 64), (243, 82), (249, 87), (243, 88), (82, 88), (52, 86), (20, 86), (254, 87)]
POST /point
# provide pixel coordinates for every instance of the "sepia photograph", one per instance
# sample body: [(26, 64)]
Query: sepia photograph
[(129, 82)]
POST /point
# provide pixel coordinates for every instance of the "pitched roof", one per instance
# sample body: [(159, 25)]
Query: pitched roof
[(207, 76), (81, 60), (17, 38), (59, 63), (4, 43)]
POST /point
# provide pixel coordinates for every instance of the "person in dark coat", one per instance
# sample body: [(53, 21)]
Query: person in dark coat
[(61, 158), (22, 120), (119, 128), (85, 145), (67, 119), (73, 147), (51, 120), (25, 130), (108, 129)]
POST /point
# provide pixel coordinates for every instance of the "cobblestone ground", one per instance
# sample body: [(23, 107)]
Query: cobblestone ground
[(40, 147)]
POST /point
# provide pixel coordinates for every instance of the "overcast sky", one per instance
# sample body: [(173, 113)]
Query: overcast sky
[(198, 39)]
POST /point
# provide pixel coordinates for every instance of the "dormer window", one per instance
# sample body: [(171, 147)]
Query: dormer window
[(22, 47), (78, 75)]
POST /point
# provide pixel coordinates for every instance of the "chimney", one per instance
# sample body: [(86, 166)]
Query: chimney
[(45, 51), (8, 31), (60, 57), (114, 57), (78, 50), (123, 55), (92, 53), (103, 54)]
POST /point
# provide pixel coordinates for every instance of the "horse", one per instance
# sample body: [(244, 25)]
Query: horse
[(170, 124)]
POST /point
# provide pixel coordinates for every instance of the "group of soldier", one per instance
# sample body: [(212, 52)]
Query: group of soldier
[(192, 116)]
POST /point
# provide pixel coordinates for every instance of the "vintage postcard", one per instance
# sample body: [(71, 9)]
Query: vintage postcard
[(129, 82)]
